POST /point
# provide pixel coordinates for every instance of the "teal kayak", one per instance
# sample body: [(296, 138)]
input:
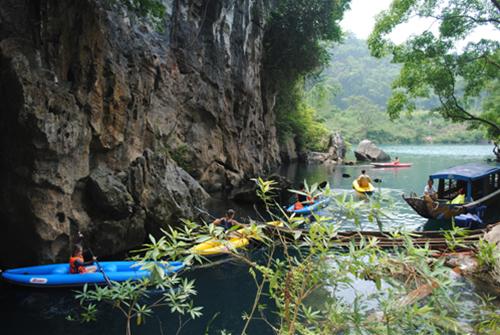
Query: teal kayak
[(58, 275)]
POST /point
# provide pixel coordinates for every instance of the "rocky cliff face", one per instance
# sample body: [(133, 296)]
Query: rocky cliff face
[(95, 105)]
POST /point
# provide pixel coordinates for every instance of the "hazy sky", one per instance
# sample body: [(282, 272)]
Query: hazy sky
[(360, 20)]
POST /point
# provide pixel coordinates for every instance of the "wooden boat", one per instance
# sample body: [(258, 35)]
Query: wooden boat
[(481, 182)]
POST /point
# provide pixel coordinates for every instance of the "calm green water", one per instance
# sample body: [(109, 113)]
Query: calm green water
[(426, 159), (227, 289)]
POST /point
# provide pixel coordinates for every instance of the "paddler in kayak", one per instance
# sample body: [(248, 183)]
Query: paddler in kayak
[(78, 265), (302, 199), (396, 161), (228, 221), (364, 180)]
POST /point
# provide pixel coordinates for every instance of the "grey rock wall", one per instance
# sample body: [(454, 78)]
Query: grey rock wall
[(95, 104)]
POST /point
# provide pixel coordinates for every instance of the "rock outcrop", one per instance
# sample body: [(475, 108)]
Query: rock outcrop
[(368, 151), (288, 151), (94, 103), (335, 154)]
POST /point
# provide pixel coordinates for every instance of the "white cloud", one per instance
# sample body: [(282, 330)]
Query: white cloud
[(360, 20)]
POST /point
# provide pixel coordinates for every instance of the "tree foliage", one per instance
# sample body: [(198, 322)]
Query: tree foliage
[(305, 275), (296, 119), (352, 71), (351, 93), (295, 34), (294, 46), (434, 62)]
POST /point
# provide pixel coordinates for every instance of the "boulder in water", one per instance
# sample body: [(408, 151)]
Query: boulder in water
[(368, 151), (335, 153)]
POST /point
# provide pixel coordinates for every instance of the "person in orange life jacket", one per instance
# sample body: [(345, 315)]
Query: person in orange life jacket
[(302, 199), (227, 221), (364, 180), (78, 265)]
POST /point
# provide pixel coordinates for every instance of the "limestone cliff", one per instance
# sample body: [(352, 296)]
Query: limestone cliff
[(95, 104)]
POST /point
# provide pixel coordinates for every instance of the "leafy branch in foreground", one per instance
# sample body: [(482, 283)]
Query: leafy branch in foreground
[(309, 281)]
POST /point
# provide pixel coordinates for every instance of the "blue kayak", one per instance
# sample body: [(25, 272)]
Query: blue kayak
[(311, 208), (58, 275)]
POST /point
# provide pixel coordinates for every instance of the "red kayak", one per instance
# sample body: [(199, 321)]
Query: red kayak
[(390, 165)]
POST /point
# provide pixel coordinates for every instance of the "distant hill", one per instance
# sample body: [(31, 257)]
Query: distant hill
[(350, 96)]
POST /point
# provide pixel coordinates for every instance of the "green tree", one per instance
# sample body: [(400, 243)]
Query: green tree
[(295, 34), (434, 63), (350, 96), (294, 46)]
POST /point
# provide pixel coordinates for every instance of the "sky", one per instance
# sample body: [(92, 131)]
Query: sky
[(360, 20)]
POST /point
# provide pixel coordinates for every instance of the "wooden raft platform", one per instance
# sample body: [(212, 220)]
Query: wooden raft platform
[(436, 240)]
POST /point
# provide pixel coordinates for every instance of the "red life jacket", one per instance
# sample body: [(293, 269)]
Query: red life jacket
[(298, 205), (73, 268)]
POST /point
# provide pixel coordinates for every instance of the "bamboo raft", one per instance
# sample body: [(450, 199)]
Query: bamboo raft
[(435, 240)]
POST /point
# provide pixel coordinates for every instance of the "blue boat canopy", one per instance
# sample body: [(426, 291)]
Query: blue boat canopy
[(467, 172)]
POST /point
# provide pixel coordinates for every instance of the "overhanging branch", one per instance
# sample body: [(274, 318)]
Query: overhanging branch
[(466, 116), (497, 4)]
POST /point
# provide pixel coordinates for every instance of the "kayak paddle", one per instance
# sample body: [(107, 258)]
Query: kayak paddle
[(99, 267)]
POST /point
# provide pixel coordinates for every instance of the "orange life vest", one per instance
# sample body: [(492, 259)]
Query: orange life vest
[(73, 268), (298, 205)]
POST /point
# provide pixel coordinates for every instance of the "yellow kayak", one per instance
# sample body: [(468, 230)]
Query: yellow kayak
[(276, 223), (216, 247), (364, 190)]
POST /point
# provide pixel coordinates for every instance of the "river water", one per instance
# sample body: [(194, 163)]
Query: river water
[(426, 160), (226, 290)]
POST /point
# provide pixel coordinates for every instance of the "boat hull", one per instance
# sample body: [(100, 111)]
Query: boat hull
[(57, 275), (430, 209), (390, 165)]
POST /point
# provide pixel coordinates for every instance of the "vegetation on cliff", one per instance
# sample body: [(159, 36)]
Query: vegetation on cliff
[(294, 45), (151, 10)]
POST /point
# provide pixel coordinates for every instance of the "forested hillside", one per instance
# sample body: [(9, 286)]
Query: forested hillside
[(350, 96)]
